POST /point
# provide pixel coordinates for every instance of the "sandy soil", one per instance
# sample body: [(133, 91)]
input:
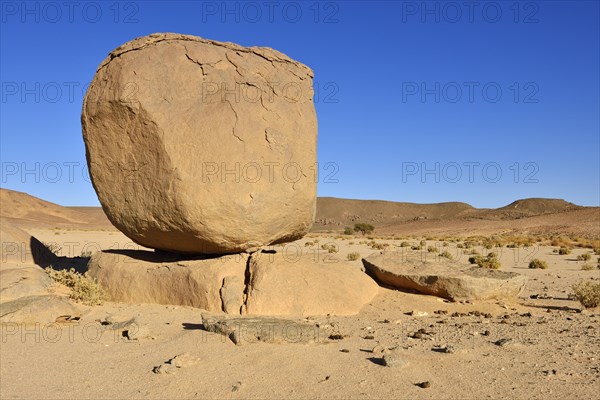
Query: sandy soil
[(554, 352)]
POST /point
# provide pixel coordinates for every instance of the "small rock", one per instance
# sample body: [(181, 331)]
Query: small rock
[(424, 385), (235, 387), (504, 342), (184, 360), (415, 313), (377, 349), (369, 337), (345, 351), (394, 359), (165, 369), (448, 349)]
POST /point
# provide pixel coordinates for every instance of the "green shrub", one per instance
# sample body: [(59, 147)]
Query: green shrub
[(587, 267), (587, 293), (83, 288), (348, 231), (353, 256), (536, 263)]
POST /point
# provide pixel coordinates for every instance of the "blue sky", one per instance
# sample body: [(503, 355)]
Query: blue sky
[(481, 102)]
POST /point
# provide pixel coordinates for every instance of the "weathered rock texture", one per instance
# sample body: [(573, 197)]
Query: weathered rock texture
[(442, 277), (257, 284), (197, 146)]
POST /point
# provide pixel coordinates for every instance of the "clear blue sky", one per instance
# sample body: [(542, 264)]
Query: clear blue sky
[(469, 88)]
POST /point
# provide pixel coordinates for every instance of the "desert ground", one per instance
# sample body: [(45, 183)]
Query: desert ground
[(543, 344)]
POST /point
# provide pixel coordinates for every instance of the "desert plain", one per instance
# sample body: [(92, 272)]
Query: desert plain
[(541, 344)]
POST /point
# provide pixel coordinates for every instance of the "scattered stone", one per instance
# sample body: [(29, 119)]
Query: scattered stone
[(184, 138), (444, 278), (336, 336), (369, 337), (378, 349), (184, 360), (345, 351), (180, 361), (236, 386), (424, 385), (165, 369), (504, 342), (244, 330), (485, 333), (448, 349), (415, 313), (394, 359)]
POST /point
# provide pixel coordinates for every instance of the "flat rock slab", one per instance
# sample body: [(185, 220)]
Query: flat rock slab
[(442, 277), (263, 283), (23, 281), (245, 330), (37, 309)]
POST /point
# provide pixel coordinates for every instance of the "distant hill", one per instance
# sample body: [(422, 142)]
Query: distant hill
[(535, 216), (26, 210)]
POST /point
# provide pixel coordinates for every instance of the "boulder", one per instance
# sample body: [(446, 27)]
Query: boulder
[(262, 283), (202, 147), (441, 277)]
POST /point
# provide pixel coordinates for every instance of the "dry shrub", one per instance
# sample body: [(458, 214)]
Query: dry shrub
[(587, 293), (83, 288), (353, 256)]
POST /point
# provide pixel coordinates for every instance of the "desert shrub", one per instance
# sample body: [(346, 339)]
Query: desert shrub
[(423, 243), (432, 249), (587, 293), (415, 247), (364, 228), (460, 246), (445, 244), (353, 256), (564, 251), (330, 247), (83, 288), (587, 267), (597, 251), (538, 264), (306, 244), (491, 254), (446, 254), (485, 262), (584, 257), (404, 244), (350, 242), (348, 231), (512, 245), (555, 251)]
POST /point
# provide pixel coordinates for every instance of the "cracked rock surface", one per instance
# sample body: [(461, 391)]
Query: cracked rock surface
[(242, 284), (202, 147)]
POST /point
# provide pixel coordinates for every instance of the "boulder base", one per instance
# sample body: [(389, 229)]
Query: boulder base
[(262, 283), (442, 277)]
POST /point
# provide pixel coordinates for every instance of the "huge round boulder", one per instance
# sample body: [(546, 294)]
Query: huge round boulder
[(202, 147)]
